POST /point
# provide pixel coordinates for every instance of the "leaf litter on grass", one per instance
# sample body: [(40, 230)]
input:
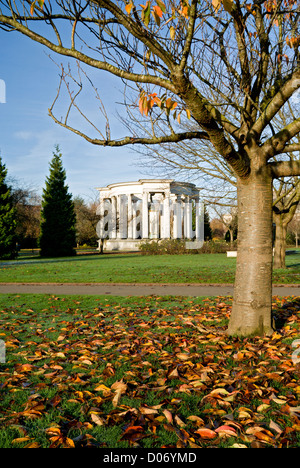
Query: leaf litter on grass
[(156, 372)]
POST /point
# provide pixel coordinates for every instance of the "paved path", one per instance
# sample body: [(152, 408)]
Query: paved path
[(135, 289)]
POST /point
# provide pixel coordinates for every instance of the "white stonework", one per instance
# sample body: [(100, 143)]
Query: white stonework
[(131, 212)]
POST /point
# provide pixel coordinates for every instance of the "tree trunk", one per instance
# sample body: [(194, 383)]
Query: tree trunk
[(280, 242), (252, 302), (231, 237)]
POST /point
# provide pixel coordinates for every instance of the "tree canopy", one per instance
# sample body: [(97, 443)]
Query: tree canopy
[(228, 65)]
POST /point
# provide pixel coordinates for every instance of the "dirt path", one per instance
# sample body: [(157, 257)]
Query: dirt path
[(136, 289)]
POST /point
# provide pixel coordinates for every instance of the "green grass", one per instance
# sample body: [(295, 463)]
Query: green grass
[(178, 371), (134, 268)]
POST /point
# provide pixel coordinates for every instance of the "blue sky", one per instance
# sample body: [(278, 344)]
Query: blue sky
[(28, 135)]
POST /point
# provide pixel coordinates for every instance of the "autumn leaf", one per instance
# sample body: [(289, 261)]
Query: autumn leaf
[(145, 16), (119, 388), (97, 419), (157, 14), (129, 7), (205, 433), (177, 354), (227, 431), (168, 415)]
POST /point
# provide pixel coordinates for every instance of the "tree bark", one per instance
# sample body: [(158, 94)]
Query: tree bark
[(280, 242), (252, 301)]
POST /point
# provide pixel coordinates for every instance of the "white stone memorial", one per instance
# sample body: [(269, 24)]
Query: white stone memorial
[(132, 212)]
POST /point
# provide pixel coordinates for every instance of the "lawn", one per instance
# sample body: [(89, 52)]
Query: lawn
[(135, 268), (145, 372)]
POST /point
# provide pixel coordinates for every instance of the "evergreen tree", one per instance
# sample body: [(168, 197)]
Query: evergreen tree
[(58, 235), (7, 218), (207, 228)]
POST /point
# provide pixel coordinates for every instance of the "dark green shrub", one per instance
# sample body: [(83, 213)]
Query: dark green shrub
[(177, 246)]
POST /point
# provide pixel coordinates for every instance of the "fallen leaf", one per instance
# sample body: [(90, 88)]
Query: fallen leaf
[(205, 433), (168, 415), (97, 420)]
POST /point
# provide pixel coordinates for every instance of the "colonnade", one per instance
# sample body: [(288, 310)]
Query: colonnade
[(151, 209)]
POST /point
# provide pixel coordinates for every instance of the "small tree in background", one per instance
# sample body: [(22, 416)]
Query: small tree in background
[(7, 218), (58, 235), (86, 222), (207, 228)]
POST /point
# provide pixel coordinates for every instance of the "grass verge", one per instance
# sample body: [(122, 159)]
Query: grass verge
[(134, 268), (145, 372)]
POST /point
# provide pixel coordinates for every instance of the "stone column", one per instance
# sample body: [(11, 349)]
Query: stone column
[(122, 218), (130, 218), (112, 223), (166, 222), (145, 217), (199, 220), (154, 221), (188, 222), (177, 224), (134, 220)]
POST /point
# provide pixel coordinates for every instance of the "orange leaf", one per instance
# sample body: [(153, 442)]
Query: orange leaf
[(69, 443), (129, 7), (19, 440), (158, 11), (53, 431), (206, 433), (32, 8), (216, 4)]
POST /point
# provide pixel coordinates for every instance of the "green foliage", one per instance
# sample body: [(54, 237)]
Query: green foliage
[(7, 218), (58, 236), (227, 235), (161, 247), (177, 246)]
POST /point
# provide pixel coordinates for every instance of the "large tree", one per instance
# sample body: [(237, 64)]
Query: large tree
[(58, 235), (7, 218), (231, 66)]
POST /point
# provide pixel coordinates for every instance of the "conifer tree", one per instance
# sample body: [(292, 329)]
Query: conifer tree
[(7, 218), (57, 238), (207, 228)]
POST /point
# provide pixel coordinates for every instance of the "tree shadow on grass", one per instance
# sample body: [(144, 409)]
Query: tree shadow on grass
[(75, 258)]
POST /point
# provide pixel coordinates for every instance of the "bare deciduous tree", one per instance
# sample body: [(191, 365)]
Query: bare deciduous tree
[(228, 66)]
